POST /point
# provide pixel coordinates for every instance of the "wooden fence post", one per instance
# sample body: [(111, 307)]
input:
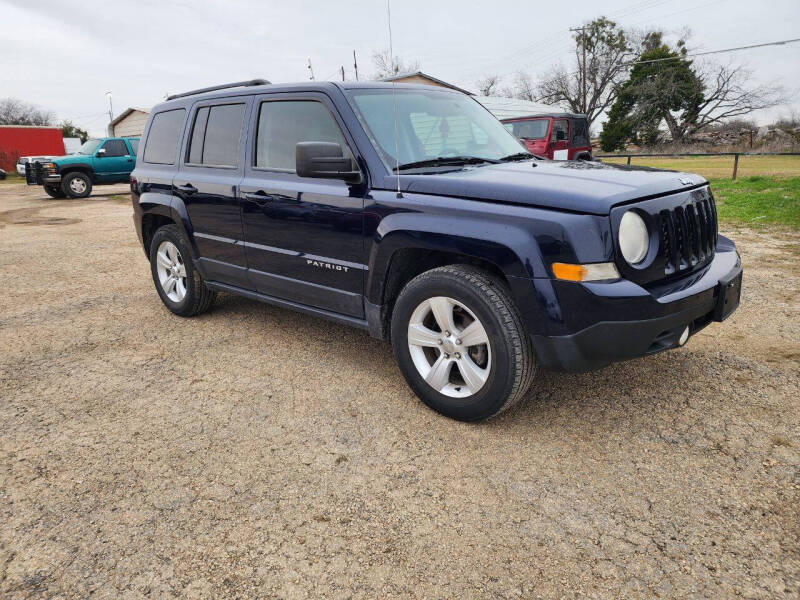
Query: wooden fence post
[(629, 160), (735, 165)]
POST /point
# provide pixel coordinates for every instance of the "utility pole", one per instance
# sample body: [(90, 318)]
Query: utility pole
[(110, 107), (342, 68), (310, 70), (355, 64), (583, 66)]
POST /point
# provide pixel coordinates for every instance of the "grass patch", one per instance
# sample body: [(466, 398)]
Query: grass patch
[(12, 177), (759, 200), (719, 167)]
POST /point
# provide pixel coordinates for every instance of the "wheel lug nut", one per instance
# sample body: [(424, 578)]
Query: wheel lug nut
[(458, 342), (457, 355), (439, 342), (446, 355), (446, 334)]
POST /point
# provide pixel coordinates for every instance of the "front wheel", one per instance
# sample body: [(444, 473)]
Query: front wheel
[(177, 282), (460, 343), (77, 185)]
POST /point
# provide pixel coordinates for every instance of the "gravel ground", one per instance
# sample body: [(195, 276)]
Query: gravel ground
[(255, 452)]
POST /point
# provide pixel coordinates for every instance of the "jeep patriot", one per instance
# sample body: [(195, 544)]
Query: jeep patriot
[(411, 212)]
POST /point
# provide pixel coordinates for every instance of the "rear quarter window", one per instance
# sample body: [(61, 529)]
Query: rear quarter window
[(134, 146), (163, 139)]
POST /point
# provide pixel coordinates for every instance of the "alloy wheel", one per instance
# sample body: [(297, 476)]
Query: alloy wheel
[(77, 185), (171, 271), (449, 347)]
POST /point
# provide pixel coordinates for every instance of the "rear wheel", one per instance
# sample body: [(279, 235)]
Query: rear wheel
[(54, 191), (177, 282), (460, 343), (77, 185)]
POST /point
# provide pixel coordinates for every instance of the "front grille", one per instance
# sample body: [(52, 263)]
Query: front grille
[(688, 234), (33, 173)]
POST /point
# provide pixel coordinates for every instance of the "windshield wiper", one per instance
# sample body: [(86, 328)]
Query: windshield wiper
[(445, 161), (518, 156)]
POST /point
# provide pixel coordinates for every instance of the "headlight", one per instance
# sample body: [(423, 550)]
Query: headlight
[(634, 239)]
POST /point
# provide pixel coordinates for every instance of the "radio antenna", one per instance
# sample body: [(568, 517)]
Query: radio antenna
[(394, 100)]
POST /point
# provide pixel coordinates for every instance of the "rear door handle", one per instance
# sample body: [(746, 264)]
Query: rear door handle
[(187, 189), (259, 198)]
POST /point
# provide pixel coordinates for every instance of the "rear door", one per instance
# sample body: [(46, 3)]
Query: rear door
[(114, 163), (208, 181), (303, 237), (559, 139)]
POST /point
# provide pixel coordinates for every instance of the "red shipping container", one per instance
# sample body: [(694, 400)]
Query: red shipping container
[(23, 140)]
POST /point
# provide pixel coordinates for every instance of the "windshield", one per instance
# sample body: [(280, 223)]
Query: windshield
[(430, 125), (89, 147), (529, 130)]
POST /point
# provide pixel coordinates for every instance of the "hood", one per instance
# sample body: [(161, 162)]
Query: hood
[(580, 186), (71, 159)]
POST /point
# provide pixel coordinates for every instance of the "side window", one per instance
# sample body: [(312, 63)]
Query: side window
[(284, 123), (115, 148), (216, 134), (161, 146), (134, 142), (560, 130), (580, 133)]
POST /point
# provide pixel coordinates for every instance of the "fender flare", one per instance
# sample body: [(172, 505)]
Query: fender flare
[(82, 167), (516, 256), (173, 208)]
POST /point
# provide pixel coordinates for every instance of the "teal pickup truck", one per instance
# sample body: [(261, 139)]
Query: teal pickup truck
[(97, 162)]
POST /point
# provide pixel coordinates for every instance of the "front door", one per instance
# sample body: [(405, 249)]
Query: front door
[(207, 182), (113, 161), (303, 237)]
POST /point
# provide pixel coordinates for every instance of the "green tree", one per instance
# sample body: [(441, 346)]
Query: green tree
[(69, 129), (662, 88)]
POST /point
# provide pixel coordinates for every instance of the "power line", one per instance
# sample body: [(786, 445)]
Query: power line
[(553, 48), (654, 60)]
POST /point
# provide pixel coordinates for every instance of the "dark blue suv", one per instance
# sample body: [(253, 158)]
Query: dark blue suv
[(413, 213)]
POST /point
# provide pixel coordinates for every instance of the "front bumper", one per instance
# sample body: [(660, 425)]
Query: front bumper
[(36, 175), (631, 321)]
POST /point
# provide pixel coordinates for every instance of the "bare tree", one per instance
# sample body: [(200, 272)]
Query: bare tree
[(523, 87), (17, 112), (488, 85), (602, 53), (729, 93), (385, 67)]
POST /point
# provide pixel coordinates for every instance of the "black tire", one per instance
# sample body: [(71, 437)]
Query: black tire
[(54, 191), (198, 297), (512, 368), (80, 189)]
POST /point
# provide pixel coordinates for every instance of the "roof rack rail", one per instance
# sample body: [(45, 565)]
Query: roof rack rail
[(225, 86)]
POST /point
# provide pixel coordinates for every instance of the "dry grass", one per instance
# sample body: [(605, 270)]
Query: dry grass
[(715, 167)]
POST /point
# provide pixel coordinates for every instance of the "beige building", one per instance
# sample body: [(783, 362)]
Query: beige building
[(424, 79), (130, 123)]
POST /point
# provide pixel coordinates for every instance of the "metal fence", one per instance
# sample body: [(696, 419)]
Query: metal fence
[(735, 156)]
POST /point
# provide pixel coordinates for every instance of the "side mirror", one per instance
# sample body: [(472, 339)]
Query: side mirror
[(101, 153), (324, 160)]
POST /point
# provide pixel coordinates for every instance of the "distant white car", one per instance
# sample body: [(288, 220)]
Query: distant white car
[(23, 160)]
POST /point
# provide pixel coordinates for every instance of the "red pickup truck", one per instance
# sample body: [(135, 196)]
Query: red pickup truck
[(562, 136)]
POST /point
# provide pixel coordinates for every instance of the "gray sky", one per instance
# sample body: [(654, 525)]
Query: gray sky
[(65, 54)]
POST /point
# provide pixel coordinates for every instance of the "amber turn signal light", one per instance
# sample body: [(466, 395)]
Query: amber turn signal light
[(590, 272)]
